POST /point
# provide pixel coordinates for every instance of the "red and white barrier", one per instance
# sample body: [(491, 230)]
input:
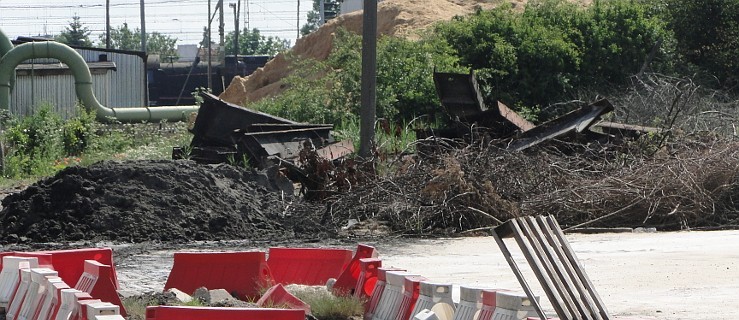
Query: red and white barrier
[(209, 313), (99, 281), (411, 289), (36, 292), (367, 277), (94, 310), (470, 303), (371, 306), (392, 296), (513, 306), (69, 303), (436, 297), (425, 314), (10, 277), (14, 308), (347, 280), (52, 298)]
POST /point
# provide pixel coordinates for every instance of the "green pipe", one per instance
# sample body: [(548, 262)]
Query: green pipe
[(83, 84), (5, 46)]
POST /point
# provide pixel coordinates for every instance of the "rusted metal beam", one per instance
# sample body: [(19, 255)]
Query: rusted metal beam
[(576, 121)]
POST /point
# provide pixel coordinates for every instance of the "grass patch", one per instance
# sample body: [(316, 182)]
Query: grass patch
[(42, 144), (326, 306)]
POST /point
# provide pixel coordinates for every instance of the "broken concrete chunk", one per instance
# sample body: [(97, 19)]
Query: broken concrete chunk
[(211, 297), (179, 295)]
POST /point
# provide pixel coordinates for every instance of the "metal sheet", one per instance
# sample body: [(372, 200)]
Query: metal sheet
[(575, 121), (58, 90)]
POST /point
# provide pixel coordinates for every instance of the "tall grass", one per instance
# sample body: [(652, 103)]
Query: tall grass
[(42, 144)]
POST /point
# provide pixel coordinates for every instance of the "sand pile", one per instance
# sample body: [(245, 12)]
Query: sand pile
[(403, 18)]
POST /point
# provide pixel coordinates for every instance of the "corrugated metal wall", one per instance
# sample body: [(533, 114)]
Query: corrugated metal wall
[(58, 90), (128, 83), (125, 87)]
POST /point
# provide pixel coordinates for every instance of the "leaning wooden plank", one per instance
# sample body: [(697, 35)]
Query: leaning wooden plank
[(592, 309), (579, 269)]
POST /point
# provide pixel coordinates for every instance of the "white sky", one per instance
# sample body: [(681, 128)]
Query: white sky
[(182, 19)]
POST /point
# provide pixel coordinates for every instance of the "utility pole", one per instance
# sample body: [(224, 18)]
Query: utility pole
[(143, 27), (107, 24), (237, 9), (298, 21), (210, 48), (321, 12), (247, 16), (369, 79), (221, 33)]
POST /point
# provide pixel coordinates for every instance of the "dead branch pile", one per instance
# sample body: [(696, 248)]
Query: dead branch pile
[(686, 185)]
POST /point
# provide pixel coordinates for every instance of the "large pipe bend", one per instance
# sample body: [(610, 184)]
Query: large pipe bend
[(83, 84)]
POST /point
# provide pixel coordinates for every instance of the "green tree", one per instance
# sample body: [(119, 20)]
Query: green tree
[(707, 33), (124, 38), (331, 9), (75, 34), (254, 43)]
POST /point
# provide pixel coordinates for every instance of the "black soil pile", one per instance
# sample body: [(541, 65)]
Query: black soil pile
[(136, 201)]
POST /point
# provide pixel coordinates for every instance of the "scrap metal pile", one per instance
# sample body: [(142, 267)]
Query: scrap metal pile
[(462, 100), (227, 133)]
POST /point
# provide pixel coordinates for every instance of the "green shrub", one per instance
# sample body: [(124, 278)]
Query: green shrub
[(77, 132), (33, 143), (538, 57), (707, 33), (330, 91)]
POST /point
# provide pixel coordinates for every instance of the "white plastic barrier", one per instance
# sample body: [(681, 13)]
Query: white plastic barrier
[(36, 292), (80, 309), (97, 309), (436, 297), (425, 314), (513, 306), (52, 298), (392, 296), (10, 277), (115, 317), (470, 303)]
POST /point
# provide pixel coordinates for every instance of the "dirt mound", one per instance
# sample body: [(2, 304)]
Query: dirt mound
[(147, 200), (395, 17)]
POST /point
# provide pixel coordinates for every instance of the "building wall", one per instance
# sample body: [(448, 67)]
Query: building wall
[(128, 82), (58, 90), (123, 87)]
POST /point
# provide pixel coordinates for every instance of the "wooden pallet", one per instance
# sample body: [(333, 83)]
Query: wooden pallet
[(555, 265)]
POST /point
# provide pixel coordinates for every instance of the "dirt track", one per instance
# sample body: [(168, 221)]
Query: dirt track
[(675, 275)]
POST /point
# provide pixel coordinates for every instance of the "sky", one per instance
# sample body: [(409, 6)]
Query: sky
[(182, 19)]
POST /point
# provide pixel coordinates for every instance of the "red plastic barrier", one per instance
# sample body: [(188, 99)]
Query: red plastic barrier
[(309, 266), (52, 301), (347, 281), (240, 273), (277, 296), (70, 263), (371, 305), (205, 313), (97, 281), (412, 286), (367, 277)]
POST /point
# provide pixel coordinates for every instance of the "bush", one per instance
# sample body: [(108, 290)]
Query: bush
[(33, 143), (707, 33), (537, 57), (330, 91)]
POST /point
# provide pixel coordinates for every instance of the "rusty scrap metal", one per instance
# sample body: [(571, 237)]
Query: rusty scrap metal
[(577, 121), (459, 94)]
